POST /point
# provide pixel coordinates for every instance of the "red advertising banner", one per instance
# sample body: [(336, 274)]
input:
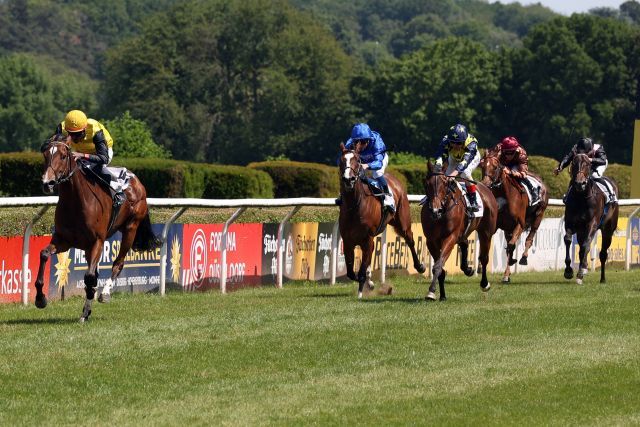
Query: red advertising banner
[(11, 267), (202, 261)]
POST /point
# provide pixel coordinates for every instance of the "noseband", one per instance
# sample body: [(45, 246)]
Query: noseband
[(448, 195), (69, 172), (495, 179)]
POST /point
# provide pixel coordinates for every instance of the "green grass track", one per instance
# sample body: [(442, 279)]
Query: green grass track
[(540, 351)]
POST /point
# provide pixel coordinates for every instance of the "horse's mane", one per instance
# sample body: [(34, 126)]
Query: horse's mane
[(493, 151)]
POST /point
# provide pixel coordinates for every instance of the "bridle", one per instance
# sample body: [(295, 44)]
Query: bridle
[(68, 174), (578, 169), (449, 195)]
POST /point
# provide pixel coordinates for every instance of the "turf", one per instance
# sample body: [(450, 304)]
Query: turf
[(540, 351)]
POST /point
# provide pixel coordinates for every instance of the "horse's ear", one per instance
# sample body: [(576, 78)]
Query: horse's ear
[(429, 166), (342, 147)]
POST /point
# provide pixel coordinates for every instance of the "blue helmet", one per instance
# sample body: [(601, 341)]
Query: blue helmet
[(361, 131), (458, 134)]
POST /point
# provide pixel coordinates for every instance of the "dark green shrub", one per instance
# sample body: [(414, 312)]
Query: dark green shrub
[(297, 179), (621, 174), (21, 174)]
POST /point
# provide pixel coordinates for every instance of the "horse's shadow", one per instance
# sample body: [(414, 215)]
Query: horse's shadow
[(391, 299), (44, 321)]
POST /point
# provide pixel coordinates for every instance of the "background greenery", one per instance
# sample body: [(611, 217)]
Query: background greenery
[(234, 82)]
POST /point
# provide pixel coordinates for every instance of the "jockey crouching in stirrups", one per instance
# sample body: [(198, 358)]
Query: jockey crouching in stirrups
[(461, 150), (373, 156), (91, 142), (514, 157)]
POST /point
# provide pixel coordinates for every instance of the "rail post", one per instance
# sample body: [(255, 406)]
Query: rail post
[(279, 247), (163, 249)]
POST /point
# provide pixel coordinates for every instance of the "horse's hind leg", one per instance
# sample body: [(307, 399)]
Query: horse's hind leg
[(91, 278), (127, 241), (349, 258), (606, 242), (530, 236), (464, 259), (485, 246)]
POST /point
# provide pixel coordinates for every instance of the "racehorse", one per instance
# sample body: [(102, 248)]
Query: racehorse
[(362, 217), (514, 213), (585, 212), (445, 223), (82, 219)]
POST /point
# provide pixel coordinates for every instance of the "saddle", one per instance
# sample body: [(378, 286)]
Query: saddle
[(535, 184), (463, 189)]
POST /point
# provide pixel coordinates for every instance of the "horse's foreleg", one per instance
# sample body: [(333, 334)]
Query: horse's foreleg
[(364, 274), (464, 259), (91, 279), (349, 258), (568, 271), (438, 266), (41, 298), (118, 264), (485, 247)]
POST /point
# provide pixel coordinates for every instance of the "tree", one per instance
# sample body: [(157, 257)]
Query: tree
[(132, 138)]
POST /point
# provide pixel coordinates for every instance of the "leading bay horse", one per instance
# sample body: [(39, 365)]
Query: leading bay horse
[(514, 214), (83, 216), (362, 217), (585, 212), (445, 224)]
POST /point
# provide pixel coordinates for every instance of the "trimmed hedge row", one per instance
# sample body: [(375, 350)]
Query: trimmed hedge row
[(20, 175), (298, 179)]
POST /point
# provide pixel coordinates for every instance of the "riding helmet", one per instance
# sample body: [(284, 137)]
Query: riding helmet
[(584, 145), (75, 121), (509, 143), (361, 131), (457, 133)]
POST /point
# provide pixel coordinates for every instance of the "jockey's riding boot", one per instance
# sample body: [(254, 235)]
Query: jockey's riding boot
[(118, 198), (389, 203), (473, 202), (338, 200), (611, 196)]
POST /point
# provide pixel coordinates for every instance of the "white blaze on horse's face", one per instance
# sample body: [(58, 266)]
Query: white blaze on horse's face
[(347, 162)]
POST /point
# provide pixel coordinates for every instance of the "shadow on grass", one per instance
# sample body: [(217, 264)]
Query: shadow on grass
[(44, 321), (392, 299)]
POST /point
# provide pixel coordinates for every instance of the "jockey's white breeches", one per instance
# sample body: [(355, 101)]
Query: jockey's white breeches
[(600, 170), (466, 173)]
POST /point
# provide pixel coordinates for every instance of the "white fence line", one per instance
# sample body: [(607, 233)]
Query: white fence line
[(241, 204)]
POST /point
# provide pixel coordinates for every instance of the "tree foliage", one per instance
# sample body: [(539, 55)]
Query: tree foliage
[(132, 138)]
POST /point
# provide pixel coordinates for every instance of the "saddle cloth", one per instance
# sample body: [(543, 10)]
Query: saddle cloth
[(535, 184), (604, 188), (463, 188), (375, 188), (120, 177)]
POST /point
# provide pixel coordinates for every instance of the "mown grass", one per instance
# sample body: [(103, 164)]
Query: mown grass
[(541, 351)]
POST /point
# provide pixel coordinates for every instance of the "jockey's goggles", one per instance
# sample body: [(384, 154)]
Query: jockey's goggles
[(361, 141), (509, 152), (76, 135)]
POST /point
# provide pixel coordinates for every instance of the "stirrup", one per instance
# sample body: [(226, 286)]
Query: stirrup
[(118, 199)]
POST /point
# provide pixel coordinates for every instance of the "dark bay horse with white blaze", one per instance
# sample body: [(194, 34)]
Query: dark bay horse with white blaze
[(514, 214), (83, 216), (445, 224), (585, 212), (362, 217)]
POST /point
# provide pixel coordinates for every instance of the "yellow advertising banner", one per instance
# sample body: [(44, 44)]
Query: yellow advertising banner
[(301, 248)]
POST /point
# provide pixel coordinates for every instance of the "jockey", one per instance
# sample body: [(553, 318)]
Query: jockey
[(514, 157), (373, 156), (461, 150), (91, 141), (599, 164)]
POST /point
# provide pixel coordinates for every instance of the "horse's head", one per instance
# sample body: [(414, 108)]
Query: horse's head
[(350, 168), (437, 188), (491, 169), (580, 172), (57, 162)]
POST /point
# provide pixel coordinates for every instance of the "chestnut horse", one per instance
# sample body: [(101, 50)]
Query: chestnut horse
[(83, 216), (585, 212), (445, 223), (514, 214), (362, 217)]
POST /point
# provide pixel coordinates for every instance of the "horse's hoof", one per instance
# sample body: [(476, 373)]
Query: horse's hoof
[(512, 261), (486, 288), (506, 280), (420, 268), (579, 281), (443, 298), (602, 281), (568, 273), (468, 271), (104, 298), (431, 296), (523, 260), (359, 295), (41, 301)]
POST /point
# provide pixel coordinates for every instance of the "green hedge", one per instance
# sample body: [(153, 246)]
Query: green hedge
[(298, 179), (621, 174), (543, 167), (21, 173), (412, 176)]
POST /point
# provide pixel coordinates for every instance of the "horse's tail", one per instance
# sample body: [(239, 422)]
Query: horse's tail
[(145, 240)]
